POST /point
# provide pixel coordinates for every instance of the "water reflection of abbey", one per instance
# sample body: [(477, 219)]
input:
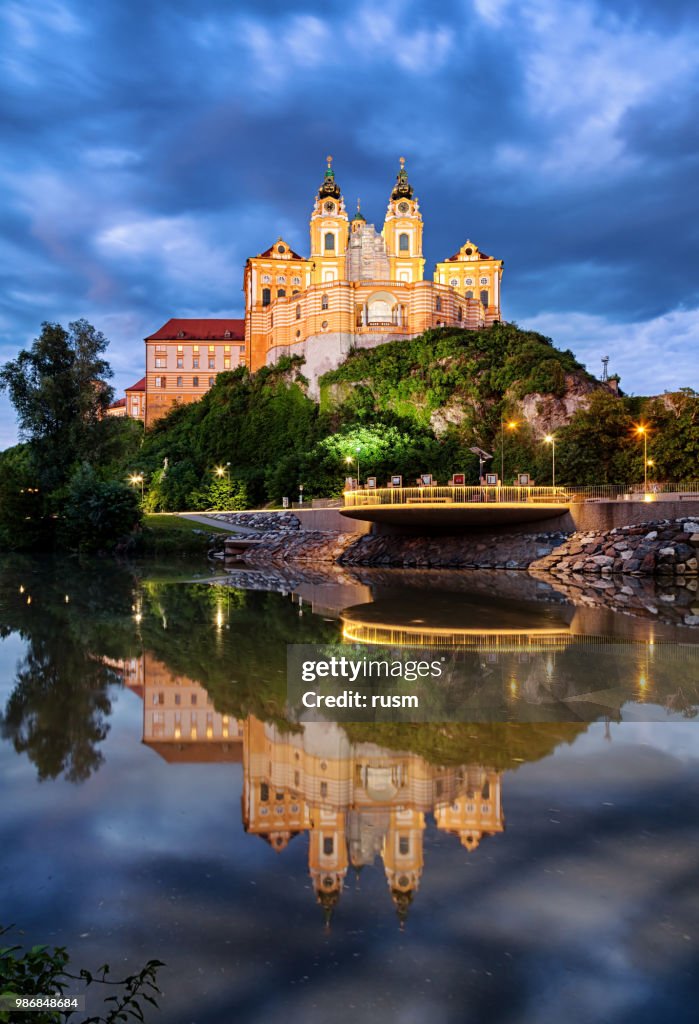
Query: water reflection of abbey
[(357, 801)]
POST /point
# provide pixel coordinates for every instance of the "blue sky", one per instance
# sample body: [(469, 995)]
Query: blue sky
[(149, 148)]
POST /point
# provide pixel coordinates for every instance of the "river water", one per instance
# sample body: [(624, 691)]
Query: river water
[(534, 861)]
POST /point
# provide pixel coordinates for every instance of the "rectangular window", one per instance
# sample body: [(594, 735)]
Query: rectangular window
[(180, 348), (195, 349), (212, 348), (195, 363), (328, 846), (323, 789), (158, 382), (404, 846), (264, 792), (212, 362), (179, 382), (180, 362), (241, 348), (226, 362), (178, 700), (134, 408), (226, 348), (195, 382), (160, 363), (211, 381), (193, 699)]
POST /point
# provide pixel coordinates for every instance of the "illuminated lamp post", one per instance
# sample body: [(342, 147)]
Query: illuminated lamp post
[(550, 439), (511, 425)]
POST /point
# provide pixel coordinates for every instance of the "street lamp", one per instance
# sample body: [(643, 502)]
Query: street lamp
[(222, 471), (135, 479), (511, 425), (349, 460), (642, 431), (550, 439)]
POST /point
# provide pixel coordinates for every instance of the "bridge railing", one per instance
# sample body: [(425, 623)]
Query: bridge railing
[(468, 494), (458, 494)]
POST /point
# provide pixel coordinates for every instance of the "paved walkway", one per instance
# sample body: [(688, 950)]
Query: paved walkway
[(205, 520)]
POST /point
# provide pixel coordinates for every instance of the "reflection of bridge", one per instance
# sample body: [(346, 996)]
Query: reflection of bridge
[(354, 630)]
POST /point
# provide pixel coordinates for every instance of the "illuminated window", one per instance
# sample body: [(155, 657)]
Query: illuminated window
[(195, 349), (226, 362), (227, 348), (180, 348), (212, 348)]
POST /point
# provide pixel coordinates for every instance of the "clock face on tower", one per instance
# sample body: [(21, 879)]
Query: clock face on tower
[(403, 208), (329, 207)]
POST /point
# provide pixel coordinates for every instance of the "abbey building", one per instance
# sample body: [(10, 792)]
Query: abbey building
[(358, 288)]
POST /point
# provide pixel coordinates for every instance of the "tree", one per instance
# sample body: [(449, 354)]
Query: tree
[(60, 392)]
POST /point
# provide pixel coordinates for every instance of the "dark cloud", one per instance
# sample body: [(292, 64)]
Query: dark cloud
[(558, 138)]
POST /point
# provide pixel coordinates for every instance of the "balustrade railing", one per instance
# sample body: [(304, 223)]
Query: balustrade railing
[(467, 494)]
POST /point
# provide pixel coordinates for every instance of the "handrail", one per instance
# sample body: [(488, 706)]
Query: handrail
[(513, 494)]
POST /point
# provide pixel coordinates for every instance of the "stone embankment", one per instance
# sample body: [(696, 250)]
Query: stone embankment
[(467, 551), (259, 520), (661, 548), (277, 547)]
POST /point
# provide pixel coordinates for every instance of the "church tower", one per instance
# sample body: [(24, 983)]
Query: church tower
[(402, 231), (329, 231)]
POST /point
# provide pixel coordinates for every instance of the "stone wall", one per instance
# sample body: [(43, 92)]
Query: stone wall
[(660, 548), (503, 551)]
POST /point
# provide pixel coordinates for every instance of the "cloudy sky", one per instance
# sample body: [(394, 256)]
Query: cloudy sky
[(149, 148)]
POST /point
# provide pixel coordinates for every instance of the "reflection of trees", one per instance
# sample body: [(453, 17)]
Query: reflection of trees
[(70, 617), (233, 642), (57, 713)]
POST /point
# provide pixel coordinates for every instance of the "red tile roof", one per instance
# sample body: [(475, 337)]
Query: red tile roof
[(140, 385), (200, 330), (118, 404)]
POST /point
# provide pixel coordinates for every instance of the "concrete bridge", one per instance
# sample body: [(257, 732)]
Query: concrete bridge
[(455, 508)]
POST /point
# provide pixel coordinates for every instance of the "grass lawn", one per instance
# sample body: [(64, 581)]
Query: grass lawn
[(171, 535), (169, 524)]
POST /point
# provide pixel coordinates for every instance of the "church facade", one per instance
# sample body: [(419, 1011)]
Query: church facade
[(360, 287)]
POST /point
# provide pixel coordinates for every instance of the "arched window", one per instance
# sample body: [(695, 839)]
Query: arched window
[(484, 297), (438, 304), (403, 242), (461, 313), (469, 295), (324, 302), (328, 846), (281, 292), (266, 296), (329, 241), (298, 312)]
